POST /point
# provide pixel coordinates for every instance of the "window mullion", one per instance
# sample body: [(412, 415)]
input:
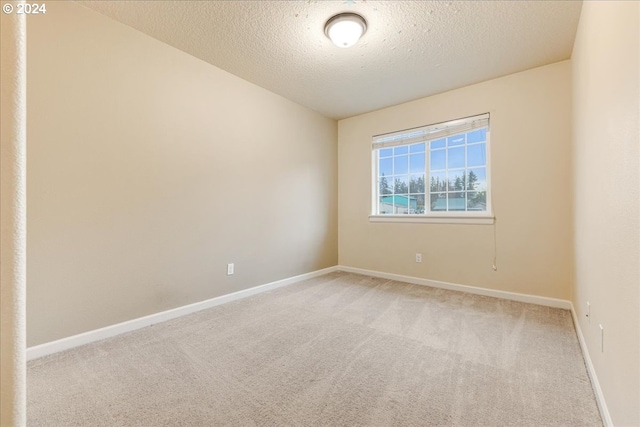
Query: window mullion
[(446, 172), (427, 180), (376, 201), (465, 172)]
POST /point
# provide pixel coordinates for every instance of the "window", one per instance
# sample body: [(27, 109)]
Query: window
[(439, 170)]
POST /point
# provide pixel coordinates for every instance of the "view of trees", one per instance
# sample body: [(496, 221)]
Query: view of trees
[(443, 175), (466, 183), (401, 187), (416, 185), (384, 186)]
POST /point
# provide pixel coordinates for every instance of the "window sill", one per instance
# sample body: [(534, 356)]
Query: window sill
[(433, 219)]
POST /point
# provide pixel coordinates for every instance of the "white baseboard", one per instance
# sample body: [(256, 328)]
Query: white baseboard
[(152, 319), (602, 404), (532, 299)]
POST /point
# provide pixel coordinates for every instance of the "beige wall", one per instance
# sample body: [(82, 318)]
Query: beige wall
[(150, 170), (606, 163), (530, 161)]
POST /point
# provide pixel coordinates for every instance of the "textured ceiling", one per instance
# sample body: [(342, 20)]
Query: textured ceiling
[(412, 49)]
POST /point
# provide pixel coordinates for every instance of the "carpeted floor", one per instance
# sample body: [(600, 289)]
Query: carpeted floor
[(337, 350)]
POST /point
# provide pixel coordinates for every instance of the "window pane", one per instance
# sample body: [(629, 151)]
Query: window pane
[(477, 136), (386, 205), (413, 205), (404, 204), (477, 179), (438, 202), (400, 165), (385, 186), (457, 201), (477, 201), (456, 157), (438, 159), (420, 203), (439, 143), (386, 152), (438, 181), (386, 167), (456, 180), (416, 185), (416, 162), (455, 140), (397, 205), (476, 155), (403, 149), (401, 184), (417, 148)]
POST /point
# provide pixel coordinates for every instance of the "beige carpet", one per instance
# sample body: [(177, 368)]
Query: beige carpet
[(337, 350)]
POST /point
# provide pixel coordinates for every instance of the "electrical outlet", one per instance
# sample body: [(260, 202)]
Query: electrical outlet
[(230, 269), (418, 257), (588, 312)]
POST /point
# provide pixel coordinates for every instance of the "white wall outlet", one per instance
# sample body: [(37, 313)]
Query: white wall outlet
[(601, 339), (230, 269), (418, 257), (588, 314)]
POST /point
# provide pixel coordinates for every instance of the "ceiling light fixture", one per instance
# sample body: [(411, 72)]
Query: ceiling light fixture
[(345, 29)]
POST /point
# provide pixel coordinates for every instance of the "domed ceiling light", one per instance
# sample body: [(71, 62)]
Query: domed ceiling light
[(345, 29)]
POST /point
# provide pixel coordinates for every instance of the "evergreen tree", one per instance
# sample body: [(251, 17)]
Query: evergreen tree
[(400, 187), (473, 178), (437, 185), (416, 185), (384, 186), (458, 184)]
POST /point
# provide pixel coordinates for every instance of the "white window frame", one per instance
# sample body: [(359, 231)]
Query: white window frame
[(427, 134)]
